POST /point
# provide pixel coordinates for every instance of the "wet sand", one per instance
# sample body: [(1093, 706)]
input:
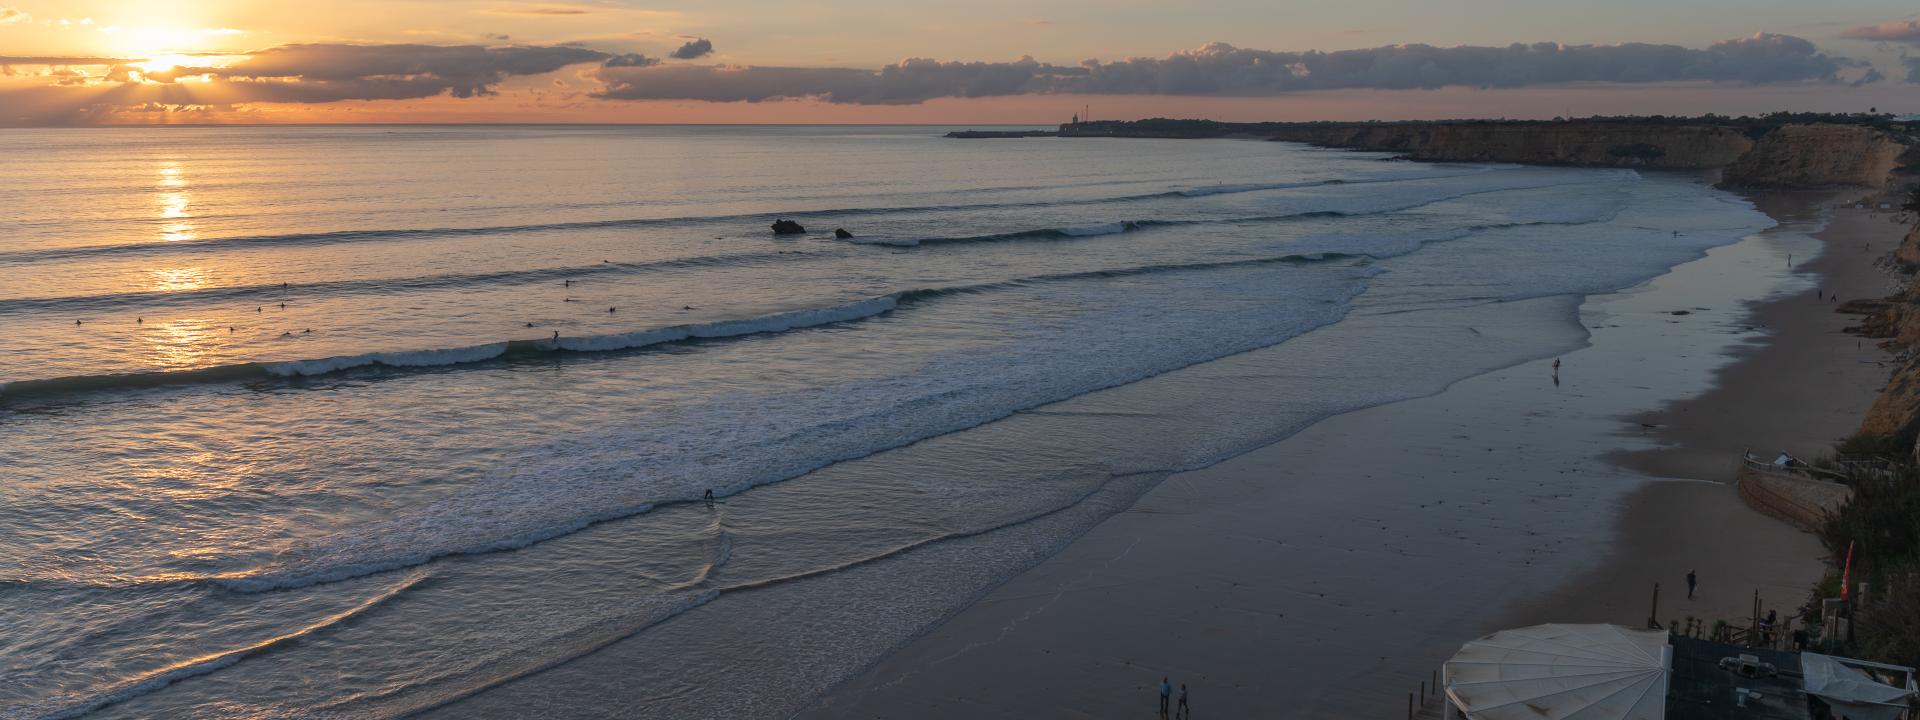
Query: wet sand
[(1801, 389), (1328, 574)]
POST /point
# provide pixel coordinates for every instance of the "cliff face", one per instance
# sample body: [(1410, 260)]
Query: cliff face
[(1790, 156), (1814, 156), (1574, 143), (1896, 413)]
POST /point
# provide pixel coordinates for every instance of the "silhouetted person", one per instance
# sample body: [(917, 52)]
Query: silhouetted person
[(529, 324), (283, 306), (556, 334), (1691, 582), (568, 283), (709, 497), (139, 321), (1184, 712), (1166, 693), (609, 309)]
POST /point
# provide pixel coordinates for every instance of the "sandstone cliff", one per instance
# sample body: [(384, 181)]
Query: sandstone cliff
[(1752, 153), (1896, 412), (1574, 143), (1814, 156)]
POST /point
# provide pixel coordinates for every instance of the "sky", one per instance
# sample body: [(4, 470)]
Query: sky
[(82, 62)]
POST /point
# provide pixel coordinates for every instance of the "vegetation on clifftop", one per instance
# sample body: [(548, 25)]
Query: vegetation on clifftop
[(1882, 525)]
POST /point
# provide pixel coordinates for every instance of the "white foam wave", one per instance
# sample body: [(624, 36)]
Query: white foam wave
[(1093, 230), (411, 358), (777, 322), (731, 443), (67, 708)]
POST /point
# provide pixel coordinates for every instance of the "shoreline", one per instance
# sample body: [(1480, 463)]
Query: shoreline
[(1800, 390), (1004, 654)]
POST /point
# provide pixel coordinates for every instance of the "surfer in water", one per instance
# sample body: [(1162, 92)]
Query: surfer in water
[(709, 497)]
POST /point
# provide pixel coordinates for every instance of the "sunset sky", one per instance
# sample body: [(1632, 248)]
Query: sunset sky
[(76, 62)]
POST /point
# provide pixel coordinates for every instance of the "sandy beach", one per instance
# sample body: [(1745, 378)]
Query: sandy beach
[(1327, 575)]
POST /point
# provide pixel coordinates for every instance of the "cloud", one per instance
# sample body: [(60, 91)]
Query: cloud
[(9, 16), (538, 10), (631, 60), (1907, 31), (62, 60), (1872, 76), (325, 72), (697, 48), (1220, 69), (1913, 68)]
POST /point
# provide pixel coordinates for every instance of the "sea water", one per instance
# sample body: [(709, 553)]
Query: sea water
[(319, 422)]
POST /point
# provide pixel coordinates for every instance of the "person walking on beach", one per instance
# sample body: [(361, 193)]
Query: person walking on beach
[(1166, 693), (1691, 581), (1184, 712)]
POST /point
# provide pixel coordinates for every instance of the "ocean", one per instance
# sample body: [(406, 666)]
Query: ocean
[(361, 421)]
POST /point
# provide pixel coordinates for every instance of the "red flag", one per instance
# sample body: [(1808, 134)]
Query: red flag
[(1846, 574)]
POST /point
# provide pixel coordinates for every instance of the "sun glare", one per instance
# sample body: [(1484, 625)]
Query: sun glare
[(163, 63)]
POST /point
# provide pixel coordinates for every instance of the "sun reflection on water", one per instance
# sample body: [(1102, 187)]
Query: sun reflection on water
[(173, 203), (182, 278), (183, 343)]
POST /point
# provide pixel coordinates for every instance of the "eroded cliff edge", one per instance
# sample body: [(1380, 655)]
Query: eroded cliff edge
[(1819, 152)]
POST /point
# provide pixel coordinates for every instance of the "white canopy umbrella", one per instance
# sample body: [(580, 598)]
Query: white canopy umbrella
[(1850, 692), (1562, 672)]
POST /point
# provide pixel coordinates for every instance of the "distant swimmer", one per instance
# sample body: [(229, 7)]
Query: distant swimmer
[(529, 324), (309, 330), (609, 309), (686, 307), (709, 497), (76, 322), (229, 328), (139, 321), (262, 308), (288, 333), (1556, 365), (283, 306), (556, 334), (283, 286), (568, 283)]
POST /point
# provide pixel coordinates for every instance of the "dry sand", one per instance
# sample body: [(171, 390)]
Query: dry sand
[(1328, 574), (1800, 391)]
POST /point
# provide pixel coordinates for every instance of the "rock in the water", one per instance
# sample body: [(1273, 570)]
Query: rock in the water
[(842, 233), (787, 227)]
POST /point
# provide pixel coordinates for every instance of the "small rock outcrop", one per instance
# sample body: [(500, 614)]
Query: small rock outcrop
[(788, 227), (842, 234)]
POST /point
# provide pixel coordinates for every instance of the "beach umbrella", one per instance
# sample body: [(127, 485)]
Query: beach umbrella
[(1562, 672)]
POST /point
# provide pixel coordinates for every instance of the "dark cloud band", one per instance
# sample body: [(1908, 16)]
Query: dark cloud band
[(1224, 70), (697, 48), (330, 72)]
